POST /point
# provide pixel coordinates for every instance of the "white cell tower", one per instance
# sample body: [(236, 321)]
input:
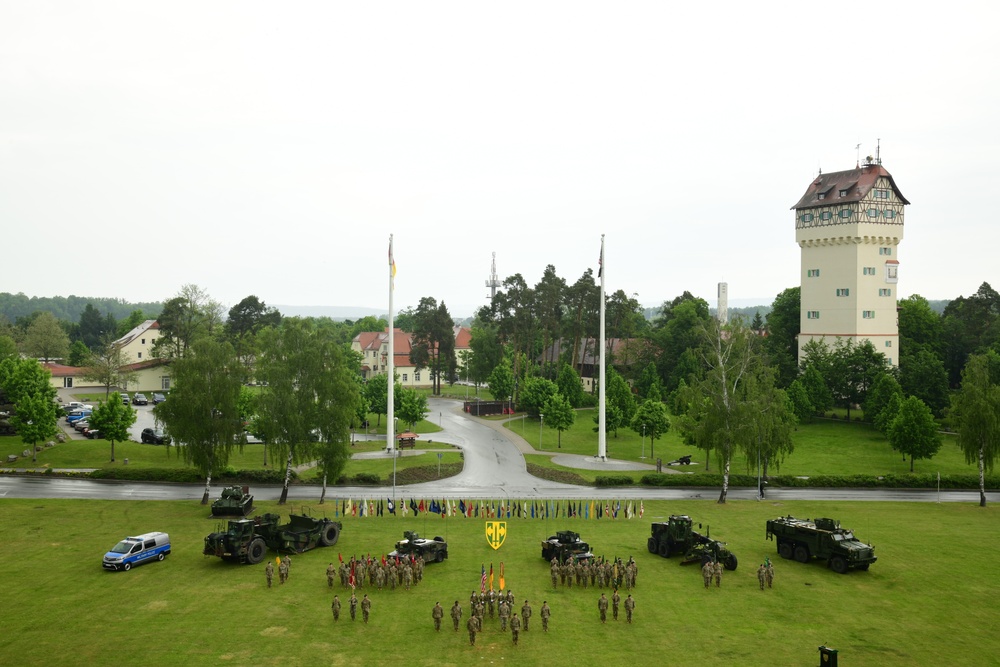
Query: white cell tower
[(494, 282), (723, 306)]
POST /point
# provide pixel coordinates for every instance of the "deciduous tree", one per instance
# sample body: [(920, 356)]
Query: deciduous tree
[(914, 431), (45, 338), (977, 410), (559, 414), (112, 419)]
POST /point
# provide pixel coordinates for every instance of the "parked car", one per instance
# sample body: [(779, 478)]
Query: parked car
[(140, 399), (137, 550), (76, 405), (77, 415), (93, 434), (125, 398), (154, 436), (82, 424), (158, 398)]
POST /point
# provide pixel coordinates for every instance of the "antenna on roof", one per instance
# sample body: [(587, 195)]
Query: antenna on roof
[(494, 282), (857, 164), (878, 152)]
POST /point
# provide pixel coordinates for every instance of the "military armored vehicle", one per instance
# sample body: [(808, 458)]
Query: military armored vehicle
[(676, 535), (412, 545), (247, 540), (235, 501), (803, 539), (565, 545)]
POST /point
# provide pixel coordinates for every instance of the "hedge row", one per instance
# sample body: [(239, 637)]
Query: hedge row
[(613, 480), (914, 481), (191, 476)]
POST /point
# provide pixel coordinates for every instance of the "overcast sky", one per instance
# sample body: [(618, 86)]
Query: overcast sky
[(272, 148)]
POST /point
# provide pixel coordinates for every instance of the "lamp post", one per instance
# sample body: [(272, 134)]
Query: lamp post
[(541, 421), (643, 455)]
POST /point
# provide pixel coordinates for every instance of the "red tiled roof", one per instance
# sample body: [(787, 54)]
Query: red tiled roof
[(857, 182), (61, 371)]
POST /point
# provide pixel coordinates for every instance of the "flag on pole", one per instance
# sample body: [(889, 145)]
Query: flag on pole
[(392, 506), (491, 577), (482, 581), (600, 260), (392, 265), (642, 508), (501, 576)]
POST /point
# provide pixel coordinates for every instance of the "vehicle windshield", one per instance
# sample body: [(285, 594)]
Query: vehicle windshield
[(122, 547)]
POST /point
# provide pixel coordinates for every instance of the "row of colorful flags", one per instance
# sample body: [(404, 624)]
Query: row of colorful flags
[(493, 509)]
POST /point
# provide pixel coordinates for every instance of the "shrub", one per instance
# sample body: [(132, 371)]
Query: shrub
[(613, 480)]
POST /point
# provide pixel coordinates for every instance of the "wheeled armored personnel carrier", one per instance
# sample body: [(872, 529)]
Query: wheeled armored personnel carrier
[(247, 540), (804, 539), (235, 501), (565, 545), (676, 535), (412, 545)]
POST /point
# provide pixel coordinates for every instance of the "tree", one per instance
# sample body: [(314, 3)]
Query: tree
[(109, 365), (647, 379), (534, 395), (26, 385), (677, 332), (202, 415), (412, 407), (887, 415), (433, 343), (781, 344), (559, 414), (878, 398), (798, 396), (35, 420), (185, 318), (45, 338), (93, 327), (78, 353), (914, 431), (112, 419), (486, 352), (338, 400), (815, 385), (854, 369), (501, 381), (246, 319), (971, 325), (922, 374), (619, 402), (757, 325), (771, 421), (977, 410), (376, 392), (919, 326), (8, 348), (651, 419), (569, 385), (134, 319)]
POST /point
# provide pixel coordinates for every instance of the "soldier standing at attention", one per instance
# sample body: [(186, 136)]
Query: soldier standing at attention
[(331, 571), (456, 614), (366, 607), (706, 573), (718, 574), (504, 612), (407, 578), (353, 605), (282, 572), (287, 560), (615, 599), (437, 614), (545, 613), (269, 572), (629, 607), (491, 600), (515, 627), (335, 608), (525, 614), (769, 572), (602, 606), (761, 575), (554, 572), (472, 626)]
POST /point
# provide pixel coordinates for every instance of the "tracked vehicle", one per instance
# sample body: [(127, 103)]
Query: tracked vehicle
[(235, 501)]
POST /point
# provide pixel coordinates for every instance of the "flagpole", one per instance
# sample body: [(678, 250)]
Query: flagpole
[(390, 424), (602, 431)]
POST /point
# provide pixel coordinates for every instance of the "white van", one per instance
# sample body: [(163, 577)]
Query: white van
[(136, 550)]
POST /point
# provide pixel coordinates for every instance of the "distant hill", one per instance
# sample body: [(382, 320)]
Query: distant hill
[(69, 308)]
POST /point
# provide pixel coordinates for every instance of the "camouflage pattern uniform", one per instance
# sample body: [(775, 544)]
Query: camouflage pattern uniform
[(437, 614), (525, 614), (706, 573), (615, 599), (491, 600), (407, 578), (269, 572), (472, 626), (504, 612), (335, 608), (545, 613), (282, 572), (629, 607), (456, 614), (602, 606), (761, 575), (554, 572), (769, 573), (515, 627), (718, 574), (331, 571), (366, 607), (353, 605)]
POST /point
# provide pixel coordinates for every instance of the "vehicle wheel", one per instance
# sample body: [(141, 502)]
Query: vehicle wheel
[(838, 565), (330, 535), (785, 550), (665, 549), (864, 566), (731, 562), (801, 554), (159, 556), (439, 557), (256, 551), (651, 545), (127, 566)]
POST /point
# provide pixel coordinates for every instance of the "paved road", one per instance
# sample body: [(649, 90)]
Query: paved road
[(494, 468)]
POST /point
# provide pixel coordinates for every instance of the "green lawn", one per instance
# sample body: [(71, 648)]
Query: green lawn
[(925, 602), (822, 447)]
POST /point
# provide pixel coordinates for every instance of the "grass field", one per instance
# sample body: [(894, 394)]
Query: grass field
[(929, 600)]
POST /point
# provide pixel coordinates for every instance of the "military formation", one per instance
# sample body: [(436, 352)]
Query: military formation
[(594, 572), (377, 573)]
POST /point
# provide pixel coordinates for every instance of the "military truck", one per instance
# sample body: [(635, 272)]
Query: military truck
[(235, 501), (565, 545), (676, 535), (247, 540), (412, 545), (804, 539)]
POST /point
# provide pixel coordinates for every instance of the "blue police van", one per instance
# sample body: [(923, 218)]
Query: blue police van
[(137, 550)]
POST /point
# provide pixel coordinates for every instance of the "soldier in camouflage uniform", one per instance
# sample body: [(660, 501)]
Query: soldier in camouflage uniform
[(331, 572), (282, 572), (525, 614), (504, 612), (407, 578), (615, 600), (269, 572), (602, 607), (515, 628), (717, 568), (707, 570), (472, 626), (366, 607), (629, 608), (769, 572), (545, 613), (335, 608), (456, 614), (491, 600), (554, 572), (437, 614), (353, 605), (761, 575)]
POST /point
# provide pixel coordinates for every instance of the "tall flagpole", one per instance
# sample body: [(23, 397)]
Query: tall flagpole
[(390, 424), (602, 426)]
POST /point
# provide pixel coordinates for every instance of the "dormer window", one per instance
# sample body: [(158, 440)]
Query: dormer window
[(821, 195), (843, 193)]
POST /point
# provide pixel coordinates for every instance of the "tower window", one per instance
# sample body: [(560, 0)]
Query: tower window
[(825, 215), (888, 214), (868, 270), (845, 213), (843, 291), (873, 213), (843, 193), (885, 251), (821, 195), (881, 194), (807, 217), (812, 314), (888, 343), (812, 273), (885, 292), (868, 314)]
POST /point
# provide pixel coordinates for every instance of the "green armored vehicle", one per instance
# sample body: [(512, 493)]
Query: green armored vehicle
[(565, 545), (235, 501), (676, 535), (412, 545), (804, 539), (247, 540)]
